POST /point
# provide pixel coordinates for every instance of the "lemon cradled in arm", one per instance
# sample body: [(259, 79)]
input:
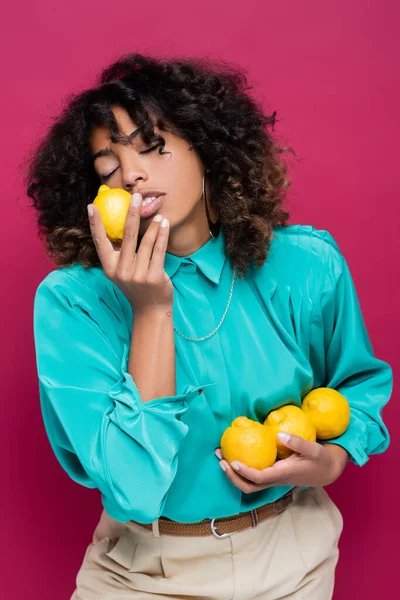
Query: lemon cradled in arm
[(290, 419), (113, 205), (329, 410), (249, 442)]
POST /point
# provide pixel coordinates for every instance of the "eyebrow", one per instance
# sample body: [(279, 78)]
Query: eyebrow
[(121, 139)]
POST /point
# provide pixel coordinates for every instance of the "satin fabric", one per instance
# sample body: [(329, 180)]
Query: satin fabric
[(294, 324)]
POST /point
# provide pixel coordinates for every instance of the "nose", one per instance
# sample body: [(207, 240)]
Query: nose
[(132, 172)]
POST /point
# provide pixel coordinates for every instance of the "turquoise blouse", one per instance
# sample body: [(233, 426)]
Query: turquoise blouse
[(294, 324)]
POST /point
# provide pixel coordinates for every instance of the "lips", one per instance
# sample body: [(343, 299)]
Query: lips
[(152, 207), (149, 193)]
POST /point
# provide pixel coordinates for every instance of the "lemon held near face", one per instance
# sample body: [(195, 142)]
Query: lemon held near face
[(113, 205), (177, 171)]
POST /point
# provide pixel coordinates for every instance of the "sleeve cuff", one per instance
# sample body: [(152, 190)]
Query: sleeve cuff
[(351, 440), (125, 391)]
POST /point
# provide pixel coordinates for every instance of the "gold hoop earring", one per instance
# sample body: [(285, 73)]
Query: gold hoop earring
[(213, 228)]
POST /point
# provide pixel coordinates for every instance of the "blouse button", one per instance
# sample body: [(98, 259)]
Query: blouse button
[(189, 266)]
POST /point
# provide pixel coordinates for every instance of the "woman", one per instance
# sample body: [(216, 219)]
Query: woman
[(211, 307)]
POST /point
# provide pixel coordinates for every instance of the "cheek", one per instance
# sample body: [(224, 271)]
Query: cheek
[(186, 178)]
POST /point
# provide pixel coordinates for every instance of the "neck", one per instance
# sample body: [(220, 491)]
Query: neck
[(190, 235), (188, 238)]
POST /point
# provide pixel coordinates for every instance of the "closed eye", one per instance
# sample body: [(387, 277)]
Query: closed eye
[(150, 149), (105, 177)]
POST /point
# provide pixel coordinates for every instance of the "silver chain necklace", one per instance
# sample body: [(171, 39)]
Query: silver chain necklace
[(221, 321)]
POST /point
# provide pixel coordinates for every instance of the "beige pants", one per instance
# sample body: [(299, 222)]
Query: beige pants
[(291, 555)]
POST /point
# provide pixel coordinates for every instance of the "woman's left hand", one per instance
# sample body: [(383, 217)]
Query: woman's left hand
[(312, 464)]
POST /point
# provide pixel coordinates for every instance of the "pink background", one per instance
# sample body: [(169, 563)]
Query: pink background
[(332, 74)]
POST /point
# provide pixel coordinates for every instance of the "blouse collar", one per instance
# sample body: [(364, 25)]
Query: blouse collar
[(210, 259)]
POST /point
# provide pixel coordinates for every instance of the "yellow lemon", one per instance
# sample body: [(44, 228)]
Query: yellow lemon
[(290, 419), (328, 410), (249, 442), (113, 205)]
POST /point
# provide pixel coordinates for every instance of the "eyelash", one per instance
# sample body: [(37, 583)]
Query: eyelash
[(105, 177)]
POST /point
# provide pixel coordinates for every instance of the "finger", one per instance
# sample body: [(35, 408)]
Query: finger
[(243, 484), (103, 245), (299, 445), (146, 247), (159, 250), (131, 230), (271, 475)]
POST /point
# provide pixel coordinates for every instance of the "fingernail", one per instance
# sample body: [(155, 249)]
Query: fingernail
[(136, 200), (218, 454), (283, 436), (223, 467), (90, 210), (235, 465), (157, 218), (164, 222)]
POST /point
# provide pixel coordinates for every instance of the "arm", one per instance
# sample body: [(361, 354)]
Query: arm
[(101, 431), (343, 358), (152, 354)]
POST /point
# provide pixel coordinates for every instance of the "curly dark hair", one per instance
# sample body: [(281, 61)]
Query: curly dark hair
[(207, 104)]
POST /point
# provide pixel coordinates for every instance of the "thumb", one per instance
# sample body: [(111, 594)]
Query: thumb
[(299, 445)]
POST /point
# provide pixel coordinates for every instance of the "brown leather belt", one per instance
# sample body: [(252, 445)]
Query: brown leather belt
[(222, 527)]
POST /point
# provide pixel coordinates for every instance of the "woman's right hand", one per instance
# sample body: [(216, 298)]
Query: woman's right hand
[(139, 275)]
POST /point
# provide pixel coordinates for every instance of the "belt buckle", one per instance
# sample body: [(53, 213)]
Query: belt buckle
[(254, 519), (219, 535)]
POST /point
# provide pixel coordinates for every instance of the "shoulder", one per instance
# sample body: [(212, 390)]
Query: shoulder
[(73, 277), (303, 238), (85, 289), (304, 247), (72, 282), (300, 259)]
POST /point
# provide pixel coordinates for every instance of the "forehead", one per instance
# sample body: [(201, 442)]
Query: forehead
[(100, 134), (125, 123)]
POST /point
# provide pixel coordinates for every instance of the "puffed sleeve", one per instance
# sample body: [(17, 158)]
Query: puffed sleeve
[(343, 358), (101, 432)]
